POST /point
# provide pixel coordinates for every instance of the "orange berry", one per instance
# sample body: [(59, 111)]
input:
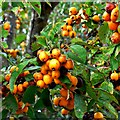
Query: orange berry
[(68, 21), (7, 77), (114, 14), (106, 16), (13, 68), (63, 102), (55, 53), (56, 101), (72, 34), (17, 21), (38, 52), (25, 109), (25, 84), (54, 64), (55, 74), (109, 7), (64, 27), (69, 28), (117, 88), (43, 70), (26, 73), (6, 26), (96, 18), (17, 26), (20, 88), (43, 56), (73, 11), (62, 58), (37, 76), (63, 92), (114, 76), (40, 83), (73, 17), (20, 104), (112, 25), (64, 111), (69, 64), (47, 79), (65, 33), (74, 80), (98, 115), (15, 89), (57, 81), (115, 38)]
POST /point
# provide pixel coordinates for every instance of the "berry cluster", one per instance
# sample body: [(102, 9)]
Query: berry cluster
[(111, 16)]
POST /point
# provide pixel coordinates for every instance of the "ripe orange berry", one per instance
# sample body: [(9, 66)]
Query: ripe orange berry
[(117, 88), (106, 16), (70, 105), (62, 58), (73, 11), (54, 64), (114, 14), (25, 84), (65, 33), (43, 56), (17, 21), (68, 21), (20, 88), (56, 101), (115, 38), (37, 76), (17, 26), (63, 102), (20, 104), (13, 68), (114, 76), (78, 19), (63, 92), (6, 26), (55, 53), (96, 18), (109, 7), (57, 81), (69, 64), (98, 115), (69, 28), (74, 80), (47, 79), (15, 89), (40, 83), (72, 34), (7, 77), (73, 17), (26, 73), (25, 109), (64, 111), (112, 25), (39, 51), (64, 27), (55, 74)]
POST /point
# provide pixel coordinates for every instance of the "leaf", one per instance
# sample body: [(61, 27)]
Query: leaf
[(35, 46), (29, 94), (39, 105), (4, 44), (40, 116), (17, 4), (11, 103), (29, 77), (33, 68), (19, 38), (107, 86), (90, 104), (15, 74), (96, 78), (78, 51), (64, 79), (117, 51), (37, 7), (4, 32), (4, 114), (31, 113), (103, 32), (113, 62), (80, 106), (4, 5), (104, 95), (45, 97), (41, 40), (47, 1), (118, 20)]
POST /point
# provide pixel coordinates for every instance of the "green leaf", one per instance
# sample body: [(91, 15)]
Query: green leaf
[(113, 62), (17, 4), (39, 105), (35, 46), (11, 103), (45, 97), (78, 53), (19, 38), (33, 68), (107, 86), (117, 51), (4, 114), (31, 113), (80, 106), (4, 44), (40, 116), (41, 40), (37, 7), (118, 20), (104, 95), (96, 78), (29, 94), (15, 74), (64, 79), (103, 32), (29, 77), (90, 104), (4, 5), (4, 32)]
